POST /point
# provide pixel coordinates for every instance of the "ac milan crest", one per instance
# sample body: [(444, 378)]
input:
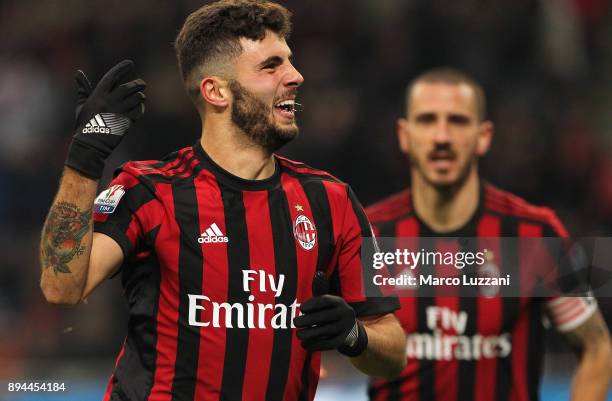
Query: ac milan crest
[(305, 232)]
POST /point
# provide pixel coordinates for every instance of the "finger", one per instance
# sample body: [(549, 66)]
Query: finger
[(326, 330), (316, 303), (114, 75), (135, 113), (323, 344), (320, 284), (83, 83), (132, 101), (312, 319), (126, 89)]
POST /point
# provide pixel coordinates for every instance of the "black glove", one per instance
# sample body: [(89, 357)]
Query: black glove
[(103, 116), (328, 322)]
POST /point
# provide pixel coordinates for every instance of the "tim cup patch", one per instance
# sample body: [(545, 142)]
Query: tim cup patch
[(305, 232), (108, 199)]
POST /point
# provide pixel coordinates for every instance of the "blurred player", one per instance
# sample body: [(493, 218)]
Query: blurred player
[(497, 341), (221, 244)]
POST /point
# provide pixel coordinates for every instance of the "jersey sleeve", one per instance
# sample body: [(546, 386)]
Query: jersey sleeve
[(127, 211), (355, 271), (567, 312)]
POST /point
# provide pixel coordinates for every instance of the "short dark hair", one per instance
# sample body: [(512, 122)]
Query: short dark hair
[(453, 76), (212, 33)]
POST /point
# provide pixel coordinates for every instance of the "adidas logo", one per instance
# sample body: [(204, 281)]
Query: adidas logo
[(212, 235), (107, 123), (96, 124)]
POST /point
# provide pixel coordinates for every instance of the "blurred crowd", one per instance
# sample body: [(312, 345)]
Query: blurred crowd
[(545, 65)]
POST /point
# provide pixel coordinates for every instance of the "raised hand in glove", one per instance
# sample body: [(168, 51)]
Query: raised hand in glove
[(328, 322), (103, 116)]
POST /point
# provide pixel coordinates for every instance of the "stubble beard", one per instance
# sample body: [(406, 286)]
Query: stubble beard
[(445, 188), (254, 118)]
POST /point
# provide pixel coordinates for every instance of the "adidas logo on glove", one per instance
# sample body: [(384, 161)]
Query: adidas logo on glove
[(107, 123)]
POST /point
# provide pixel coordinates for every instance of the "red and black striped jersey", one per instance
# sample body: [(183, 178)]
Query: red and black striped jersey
[(215, 270), (473, 348)]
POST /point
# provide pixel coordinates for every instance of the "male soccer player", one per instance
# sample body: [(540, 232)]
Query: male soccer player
[(485, 347), (238, 265)]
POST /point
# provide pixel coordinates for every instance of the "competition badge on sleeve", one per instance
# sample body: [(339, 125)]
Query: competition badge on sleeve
[(108, 199)]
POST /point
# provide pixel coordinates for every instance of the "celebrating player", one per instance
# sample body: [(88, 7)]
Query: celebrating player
[(238, 265), (487, 347)]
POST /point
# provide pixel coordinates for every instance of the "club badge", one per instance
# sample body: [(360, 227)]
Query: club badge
[(305, 232)]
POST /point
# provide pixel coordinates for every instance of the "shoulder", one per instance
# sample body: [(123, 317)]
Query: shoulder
[(390, 208), (175, 165), (312, 178), (503, 202)]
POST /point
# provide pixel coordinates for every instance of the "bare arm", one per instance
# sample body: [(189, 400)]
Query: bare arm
[(71, 267), (593, 374), (385, 355)]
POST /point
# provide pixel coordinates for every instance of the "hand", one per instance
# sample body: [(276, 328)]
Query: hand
[(328, 322), (103, 116)]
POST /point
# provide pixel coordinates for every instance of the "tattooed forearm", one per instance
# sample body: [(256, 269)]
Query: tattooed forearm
[(64, 229)]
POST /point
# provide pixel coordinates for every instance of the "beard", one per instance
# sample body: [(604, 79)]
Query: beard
[(447, 187), (255, 119)]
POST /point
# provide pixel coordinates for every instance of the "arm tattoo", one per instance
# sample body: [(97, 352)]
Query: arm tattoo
[(65, 228)]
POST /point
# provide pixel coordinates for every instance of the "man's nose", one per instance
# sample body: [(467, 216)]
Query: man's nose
[(442, 134), (293, 77)]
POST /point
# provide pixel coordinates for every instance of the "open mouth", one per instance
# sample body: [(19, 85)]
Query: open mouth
[(286, 108)]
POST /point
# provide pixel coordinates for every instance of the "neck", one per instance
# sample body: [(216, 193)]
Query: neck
[(445, 210), (231, 149)]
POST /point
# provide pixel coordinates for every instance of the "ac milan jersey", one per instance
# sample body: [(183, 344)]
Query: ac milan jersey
[(215, 270), (481, 348)]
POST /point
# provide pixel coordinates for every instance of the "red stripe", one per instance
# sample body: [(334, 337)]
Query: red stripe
[(511, 205), (489, 311), (446, 371), (346, 226), (167, 314), (302, 168), (409, 230), (109, 388), (390, 208), (520, 333), (214, 285), (571, 316), (260, 340), (176, 161), (194, 161), (306, 266), (519, 391), (141, 223)]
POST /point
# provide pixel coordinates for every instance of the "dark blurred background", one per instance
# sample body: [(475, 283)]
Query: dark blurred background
[(545, 66)]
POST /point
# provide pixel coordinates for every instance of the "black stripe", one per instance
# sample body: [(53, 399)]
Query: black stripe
[(184, 165), (535, 350), (311, 176), (133, 377), (285, 261), (190, 282), (321, 214), (426, 372), (468, 303), (238, 258), (510, 303), (392, 387), (366, 250)]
